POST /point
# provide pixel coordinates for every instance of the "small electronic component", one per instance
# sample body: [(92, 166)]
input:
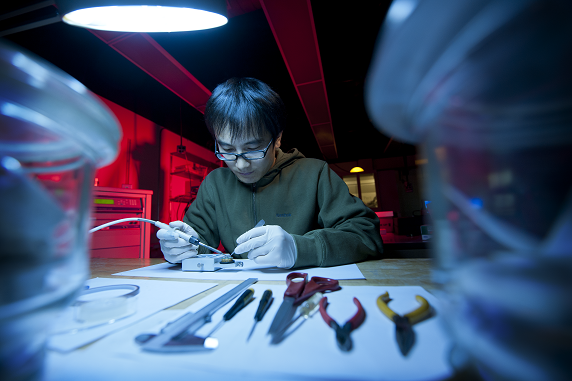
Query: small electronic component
[(210, 262)]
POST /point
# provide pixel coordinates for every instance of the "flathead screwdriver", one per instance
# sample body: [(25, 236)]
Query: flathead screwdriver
[(241, 302), (265, 303)]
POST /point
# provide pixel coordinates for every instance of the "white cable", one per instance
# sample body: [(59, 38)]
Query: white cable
[(160, 225), (121, 220)]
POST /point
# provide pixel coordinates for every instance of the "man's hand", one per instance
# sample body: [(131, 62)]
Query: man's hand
[(176, 249), (268, 245)]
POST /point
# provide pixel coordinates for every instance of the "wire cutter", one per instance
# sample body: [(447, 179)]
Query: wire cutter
[(343, 338), (404, 333)]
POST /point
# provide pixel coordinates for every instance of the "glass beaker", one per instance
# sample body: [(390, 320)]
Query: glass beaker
[(485, 88), (53, 135)]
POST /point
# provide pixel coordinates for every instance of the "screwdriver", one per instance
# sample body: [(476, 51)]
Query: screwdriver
[(241, 302), (265, 303)]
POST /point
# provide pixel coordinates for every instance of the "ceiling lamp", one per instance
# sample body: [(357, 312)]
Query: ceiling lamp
[(356, 169), (144, 16)]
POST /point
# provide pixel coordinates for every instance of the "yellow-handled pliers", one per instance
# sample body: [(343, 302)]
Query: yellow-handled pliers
[(403, 324)]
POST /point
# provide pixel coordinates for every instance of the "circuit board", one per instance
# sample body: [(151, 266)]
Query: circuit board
[(214, 256)]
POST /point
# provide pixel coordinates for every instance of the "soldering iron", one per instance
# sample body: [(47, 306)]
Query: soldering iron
[(190, 239)]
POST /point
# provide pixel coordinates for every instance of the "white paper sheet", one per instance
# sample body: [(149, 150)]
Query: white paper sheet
[(250, 270), (153, 297), (98, 365), (309, 353)]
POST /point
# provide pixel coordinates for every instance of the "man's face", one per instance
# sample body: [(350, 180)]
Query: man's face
[(248, 171)]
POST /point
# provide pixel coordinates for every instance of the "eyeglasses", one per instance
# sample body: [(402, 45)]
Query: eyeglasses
[(250, 155)]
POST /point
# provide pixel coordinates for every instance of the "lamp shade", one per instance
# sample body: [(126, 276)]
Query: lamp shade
[(356, 170), (144, 15)]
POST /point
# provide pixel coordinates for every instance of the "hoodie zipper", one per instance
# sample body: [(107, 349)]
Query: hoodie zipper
[(254, 203)]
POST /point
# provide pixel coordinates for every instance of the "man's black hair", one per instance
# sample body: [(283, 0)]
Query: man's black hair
[(247, 107)]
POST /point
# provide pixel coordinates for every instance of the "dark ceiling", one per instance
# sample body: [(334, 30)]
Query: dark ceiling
[(244, 47)]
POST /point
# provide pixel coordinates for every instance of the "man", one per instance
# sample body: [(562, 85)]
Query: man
[(311, 218)]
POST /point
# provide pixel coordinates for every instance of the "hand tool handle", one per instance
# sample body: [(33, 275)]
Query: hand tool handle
[(323, 305), (195, 241), (421, 312), (318, 284), (383, 307), (264, 305), (354, 322), (240, 303), (296, 283), (359, 317)]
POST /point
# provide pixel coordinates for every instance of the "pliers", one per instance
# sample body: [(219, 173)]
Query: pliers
[(343, 338), (404, 333)]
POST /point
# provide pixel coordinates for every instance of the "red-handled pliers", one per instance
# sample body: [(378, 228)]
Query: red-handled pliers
[(343, 333)]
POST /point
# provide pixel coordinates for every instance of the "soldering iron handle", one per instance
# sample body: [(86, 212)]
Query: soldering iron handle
[(189, 238), (161, 225)]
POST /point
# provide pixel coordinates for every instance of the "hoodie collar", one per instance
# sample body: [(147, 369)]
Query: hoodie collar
[(283, 159)]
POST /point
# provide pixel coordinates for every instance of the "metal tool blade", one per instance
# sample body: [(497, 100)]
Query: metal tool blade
[(185, 343), (187, 325), (283, 316), (252, 330), (404, 334), (343, 338), (220, 323), (306, 310)]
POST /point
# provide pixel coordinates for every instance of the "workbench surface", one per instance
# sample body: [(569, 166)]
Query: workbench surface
[(383, 272)]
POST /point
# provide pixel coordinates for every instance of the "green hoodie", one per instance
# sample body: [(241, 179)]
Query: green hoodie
[(303, 196)]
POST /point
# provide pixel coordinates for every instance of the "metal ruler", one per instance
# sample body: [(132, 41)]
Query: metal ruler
[(179, 336)]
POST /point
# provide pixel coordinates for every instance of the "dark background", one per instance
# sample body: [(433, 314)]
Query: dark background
[(243, 47)]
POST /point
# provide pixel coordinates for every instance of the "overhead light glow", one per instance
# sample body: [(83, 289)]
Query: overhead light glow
[(356, 170), (400, 10), (144, 19)]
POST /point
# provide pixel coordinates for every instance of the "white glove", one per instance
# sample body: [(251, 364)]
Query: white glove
[(268, 245), (176, 249)]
